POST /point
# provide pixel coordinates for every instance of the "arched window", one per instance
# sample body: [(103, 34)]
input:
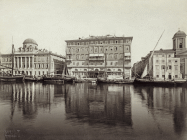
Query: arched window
[(119, 70), (180, 46)]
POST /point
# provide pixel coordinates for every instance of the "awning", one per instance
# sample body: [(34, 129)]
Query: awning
[(96, 55)]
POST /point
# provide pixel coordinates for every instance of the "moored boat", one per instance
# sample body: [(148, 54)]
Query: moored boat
[(160, 82), (11, 78), (29, 78)]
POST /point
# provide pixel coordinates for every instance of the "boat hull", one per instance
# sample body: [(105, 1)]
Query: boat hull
[(160, 83), (11, 78), (58, 80)]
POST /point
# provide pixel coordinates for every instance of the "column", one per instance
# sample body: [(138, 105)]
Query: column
[(25, 62), (33, 65), (29, 62), (184, 42), (18, 62), (176, 43), (14, 62), (21, 62)]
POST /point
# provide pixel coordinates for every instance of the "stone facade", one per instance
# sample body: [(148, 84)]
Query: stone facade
[(96, 54), (32, 61), (166, 64)]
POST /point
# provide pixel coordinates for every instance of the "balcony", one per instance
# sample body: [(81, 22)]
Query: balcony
[(96, 57)]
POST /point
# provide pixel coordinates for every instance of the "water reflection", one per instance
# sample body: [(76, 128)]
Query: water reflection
[(166, 101), (108, 104), (105, 109)]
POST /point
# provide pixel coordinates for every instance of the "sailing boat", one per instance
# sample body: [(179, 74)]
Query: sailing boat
[(11, 77), (60, 78), (147, 79)]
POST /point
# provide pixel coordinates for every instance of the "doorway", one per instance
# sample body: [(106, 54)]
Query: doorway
[(169, 76)]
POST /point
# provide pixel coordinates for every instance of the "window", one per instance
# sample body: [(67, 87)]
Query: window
[(176, 67), (77, 56), (39, 72), (157, 61), (78, 43), (175, 61), (116, 41), (77, 50), (180, 46), (163, 67), (157, 67), (106, 42), (101, 42), (163, 76), (170, 67), (169, 55), (176, 76), (111, 63), (96, 42), (163, 61), (163, 55), (157, 76), (169, 61)]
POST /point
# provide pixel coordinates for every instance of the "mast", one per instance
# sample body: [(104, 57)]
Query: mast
[(12, 56), (105, 63), (149, 65), (88, 61), (123, 63), (153, 52)]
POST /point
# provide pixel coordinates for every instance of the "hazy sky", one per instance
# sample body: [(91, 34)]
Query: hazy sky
[(51, 22)]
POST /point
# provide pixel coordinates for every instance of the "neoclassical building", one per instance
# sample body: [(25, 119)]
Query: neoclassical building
[(166, 63), (30, 60), (93, 55)]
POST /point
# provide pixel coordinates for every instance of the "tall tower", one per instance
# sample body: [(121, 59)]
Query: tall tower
[(179, 41)]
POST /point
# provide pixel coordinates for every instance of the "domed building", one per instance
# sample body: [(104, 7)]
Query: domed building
[(179, 45), (179, 41), (31, 61), (166, 64)]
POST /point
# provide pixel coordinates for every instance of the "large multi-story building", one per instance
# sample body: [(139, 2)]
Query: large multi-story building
[(98, 54), (32, 61), (165, 64)]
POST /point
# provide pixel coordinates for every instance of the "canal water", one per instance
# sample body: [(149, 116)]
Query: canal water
[(83, 111)]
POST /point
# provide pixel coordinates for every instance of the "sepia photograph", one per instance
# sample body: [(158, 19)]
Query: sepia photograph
[(93, 70)]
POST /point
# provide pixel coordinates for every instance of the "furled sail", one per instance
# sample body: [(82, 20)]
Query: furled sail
[(144, 72)]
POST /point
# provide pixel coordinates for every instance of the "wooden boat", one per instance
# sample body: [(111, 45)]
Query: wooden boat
[(28, 78), (126, 81), (55, 79), (11, 78), (159, 82)]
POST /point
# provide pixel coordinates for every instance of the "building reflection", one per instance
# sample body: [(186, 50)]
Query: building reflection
[(167, 100), (29, 97), (109, 104)]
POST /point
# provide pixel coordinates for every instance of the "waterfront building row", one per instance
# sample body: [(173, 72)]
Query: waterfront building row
[(165, 64)]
